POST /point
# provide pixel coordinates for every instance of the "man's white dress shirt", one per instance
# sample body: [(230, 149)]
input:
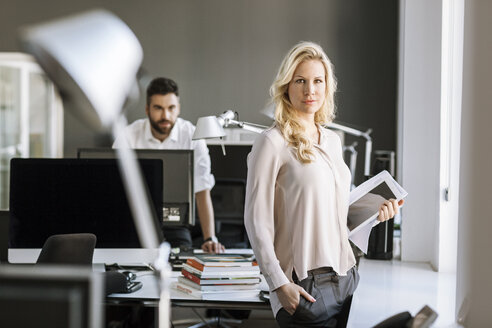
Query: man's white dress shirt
[(139, 136)]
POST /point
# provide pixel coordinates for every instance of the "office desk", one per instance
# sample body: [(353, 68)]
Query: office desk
[(148, 295)]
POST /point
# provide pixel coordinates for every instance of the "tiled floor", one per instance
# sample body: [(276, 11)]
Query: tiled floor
[(385, 288), (390, 287)]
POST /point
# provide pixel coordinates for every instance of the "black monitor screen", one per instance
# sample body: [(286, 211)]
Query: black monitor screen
[(58, 196), (178, 191)]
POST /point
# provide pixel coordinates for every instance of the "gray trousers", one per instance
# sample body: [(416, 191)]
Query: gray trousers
[(330, 291)]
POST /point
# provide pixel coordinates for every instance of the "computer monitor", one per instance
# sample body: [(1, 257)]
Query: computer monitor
[(178, 193), (41, 296), (58, 196)]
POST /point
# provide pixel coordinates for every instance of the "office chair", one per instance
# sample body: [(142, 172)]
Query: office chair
[(228, 197), (75, 249), (78, 249), (228, 201), (423, 319)]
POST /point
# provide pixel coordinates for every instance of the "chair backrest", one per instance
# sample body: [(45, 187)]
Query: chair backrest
[(401, 319), (228, 197), (4, 236), (423, 319), (75, 248)]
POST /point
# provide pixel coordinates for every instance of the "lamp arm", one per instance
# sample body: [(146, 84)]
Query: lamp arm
[(257, 128), (135, 190), (229, 117), (367, 158), (349, 130), (353, 159), (357, 133)]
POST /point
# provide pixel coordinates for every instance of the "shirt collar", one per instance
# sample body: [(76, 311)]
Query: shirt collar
[(173, 136), (322, 133)]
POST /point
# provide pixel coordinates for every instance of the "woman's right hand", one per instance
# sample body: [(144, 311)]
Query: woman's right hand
[(289, 296)]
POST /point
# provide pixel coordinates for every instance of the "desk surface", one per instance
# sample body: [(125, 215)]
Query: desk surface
[(149, 294)]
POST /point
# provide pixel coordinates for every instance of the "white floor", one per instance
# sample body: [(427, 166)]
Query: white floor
[(390, 287), (385, 288)]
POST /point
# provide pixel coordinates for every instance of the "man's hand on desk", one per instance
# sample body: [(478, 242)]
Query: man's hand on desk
[(212, 245)]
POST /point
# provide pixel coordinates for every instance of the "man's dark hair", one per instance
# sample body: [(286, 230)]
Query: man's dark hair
[(161, 86)]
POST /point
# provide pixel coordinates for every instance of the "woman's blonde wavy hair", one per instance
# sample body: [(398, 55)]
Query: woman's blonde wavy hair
[(285, 114)]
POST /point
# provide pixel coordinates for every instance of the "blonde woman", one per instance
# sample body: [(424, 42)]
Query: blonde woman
[(297, 197)]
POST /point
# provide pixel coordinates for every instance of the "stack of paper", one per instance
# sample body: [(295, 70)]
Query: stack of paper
[(220, 276)]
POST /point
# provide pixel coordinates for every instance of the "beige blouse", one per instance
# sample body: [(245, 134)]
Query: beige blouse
[(296, 214)]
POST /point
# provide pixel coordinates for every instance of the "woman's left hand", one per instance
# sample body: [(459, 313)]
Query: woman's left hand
[(389, 209)]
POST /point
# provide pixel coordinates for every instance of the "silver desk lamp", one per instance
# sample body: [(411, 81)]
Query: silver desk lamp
[(212, 127), (93, 59), (209, 127)]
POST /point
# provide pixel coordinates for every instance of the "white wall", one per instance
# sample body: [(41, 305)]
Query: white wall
[(451, 87), (475, 218), (419, 135), (431, 48)]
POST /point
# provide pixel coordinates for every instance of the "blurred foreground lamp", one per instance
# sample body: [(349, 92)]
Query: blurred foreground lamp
[(93, 58)]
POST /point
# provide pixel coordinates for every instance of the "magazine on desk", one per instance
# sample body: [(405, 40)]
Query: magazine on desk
[(218, 295), (364, 204), (224, 260)]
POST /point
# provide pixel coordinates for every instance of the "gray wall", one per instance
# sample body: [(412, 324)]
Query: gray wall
[(224, 54)]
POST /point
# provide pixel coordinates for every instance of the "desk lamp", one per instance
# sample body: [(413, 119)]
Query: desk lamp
[(211, 127), (93, 59)]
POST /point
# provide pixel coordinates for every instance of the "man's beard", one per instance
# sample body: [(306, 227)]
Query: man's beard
[(159, 129)]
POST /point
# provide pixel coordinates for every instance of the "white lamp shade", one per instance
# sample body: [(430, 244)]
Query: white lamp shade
[(208, 127), (92, 57)]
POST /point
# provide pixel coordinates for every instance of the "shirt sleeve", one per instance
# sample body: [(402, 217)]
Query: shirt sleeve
[(263, 167), (203, 178)]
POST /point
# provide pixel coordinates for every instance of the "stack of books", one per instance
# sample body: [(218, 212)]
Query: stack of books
[(220, 276)]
